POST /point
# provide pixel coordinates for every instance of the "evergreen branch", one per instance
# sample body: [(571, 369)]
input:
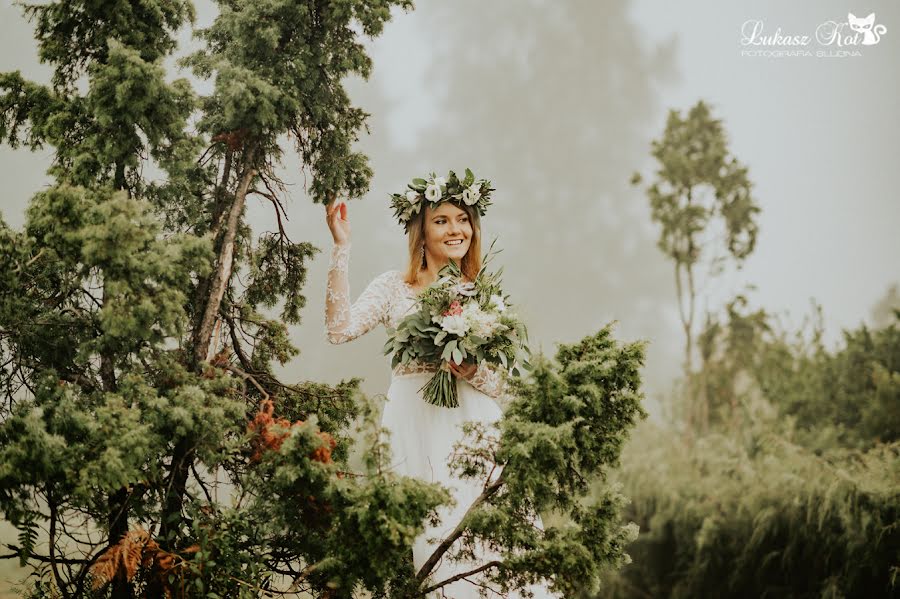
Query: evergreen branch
[(270, 380)]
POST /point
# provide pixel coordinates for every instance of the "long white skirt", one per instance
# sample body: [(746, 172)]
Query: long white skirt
[(422, 439)]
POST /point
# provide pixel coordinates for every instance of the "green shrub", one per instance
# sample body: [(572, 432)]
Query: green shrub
[(760, 517)]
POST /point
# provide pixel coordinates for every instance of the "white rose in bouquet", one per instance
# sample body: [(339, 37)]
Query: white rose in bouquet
[(481, 323), (455, 324), (498, 302), (473, 313)]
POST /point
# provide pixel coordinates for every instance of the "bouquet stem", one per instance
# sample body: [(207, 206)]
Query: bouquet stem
[(441, 389)]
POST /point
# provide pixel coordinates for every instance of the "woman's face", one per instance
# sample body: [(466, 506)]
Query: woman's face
[(448, 233)]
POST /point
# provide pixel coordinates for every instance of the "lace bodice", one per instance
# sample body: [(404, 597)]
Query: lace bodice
[(386, 300)]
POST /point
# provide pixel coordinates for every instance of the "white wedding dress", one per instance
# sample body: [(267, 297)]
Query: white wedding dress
[(421, 435)]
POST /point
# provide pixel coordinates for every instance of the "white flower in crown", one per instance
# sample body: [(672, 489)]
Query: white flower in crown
[(467, 191), (470, 195), (432, 193)]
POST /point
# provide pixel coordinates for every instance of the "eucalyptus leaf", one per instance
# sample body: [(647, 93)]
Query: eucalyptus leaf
[(447, 353)]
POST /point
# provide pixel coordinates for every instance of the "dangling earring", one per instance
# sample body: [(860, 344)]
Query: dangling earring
[(423, 257)]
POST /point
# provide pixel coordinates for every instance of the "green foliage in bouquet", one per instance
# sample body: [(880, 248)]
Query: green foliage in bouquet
[(461, 322)]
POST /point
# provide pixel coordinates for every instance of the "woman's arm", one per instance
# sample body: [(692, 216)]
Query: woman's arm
[(489, 380), (344, 322)]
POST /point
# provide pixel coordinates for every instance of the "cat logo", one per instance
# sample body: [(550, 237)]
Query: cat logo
[(871, 32)]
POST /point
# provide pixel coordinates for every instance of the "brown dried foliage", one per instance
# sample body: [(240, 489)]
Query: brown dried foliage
[(233, 139), (136, 550), (270, 433), (220, 361)]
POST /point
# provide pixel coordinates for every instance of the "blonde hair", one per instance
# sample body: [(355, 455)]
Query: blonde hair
[(471, 262)]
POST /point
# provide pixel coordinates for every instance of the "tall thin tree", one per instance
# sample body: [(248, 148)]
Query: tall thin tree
[(698, 181)]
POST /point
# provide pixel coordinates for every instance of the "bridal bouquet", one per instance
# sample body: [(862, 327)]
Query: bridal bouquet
[(463, 322)]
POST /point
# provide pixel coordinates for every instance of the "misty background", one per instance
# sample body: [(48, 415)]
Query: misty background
[(556, 104)]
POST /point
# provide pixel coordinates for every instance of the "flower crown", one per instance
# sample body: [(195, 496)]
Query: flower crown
[(470, 191)]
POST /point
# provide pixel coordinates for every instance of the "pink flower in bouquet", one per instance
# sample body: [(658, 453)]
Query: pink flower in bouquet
[(455, 309)]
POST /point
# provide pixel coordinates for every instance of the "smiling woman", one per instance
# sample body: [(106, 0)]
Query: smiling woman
[(442, 221), (438, 234)]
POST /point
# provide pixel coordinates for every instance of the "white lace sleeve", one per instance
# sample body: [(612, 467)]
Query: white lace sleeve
[(489, 380), (344, 322)]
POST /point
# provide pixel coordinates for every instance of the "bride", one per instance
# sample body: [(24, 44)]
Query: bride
[(439, 227)]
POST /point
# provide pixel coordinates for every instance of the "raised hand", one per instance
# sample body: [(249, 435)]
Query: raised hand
[(338, 223)]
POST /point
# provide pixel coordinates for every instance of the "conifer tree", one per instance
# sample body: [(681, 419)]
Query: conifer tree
[(137, 369)]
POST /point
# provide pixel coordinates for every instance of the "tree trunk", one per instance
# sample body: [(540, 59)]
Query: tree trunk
[(222, 274), (215, 286), (118, 526), (117, 503), (182, 458)]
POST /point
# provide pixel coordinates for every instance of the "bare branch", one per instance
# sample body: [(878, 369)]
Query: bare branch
[(452, 579), (52, 545), (279, 209), (43, 558), (444, 545), (248, 377), (201, 483)]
